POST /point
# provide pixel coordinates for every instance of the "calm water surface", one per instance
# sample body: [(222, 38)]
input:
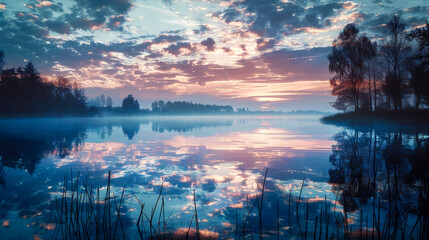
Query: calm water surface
[(222, 158)]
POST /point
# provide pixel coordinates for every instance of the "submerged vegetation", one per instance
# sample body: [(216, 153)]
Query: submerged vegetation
[(85, 212)]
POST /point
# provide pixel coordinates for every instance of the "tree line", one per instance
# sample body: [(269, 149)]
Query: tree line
[(183, 107), (392, 74), (23, 92)]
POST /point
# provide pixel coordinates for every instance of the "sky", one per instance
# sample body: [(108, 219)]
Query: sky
[(260, 54)]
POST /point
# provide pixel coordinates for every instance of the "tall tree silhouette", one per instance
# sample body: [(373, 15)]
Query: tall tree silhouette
[(419, 67), (9, 91), (419, 82), (350, 52), (396, 53), (31, 88), (374, 75)]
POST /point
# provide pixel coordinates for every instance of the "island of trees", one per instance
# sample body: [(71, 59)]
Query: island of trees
[(386, 79)]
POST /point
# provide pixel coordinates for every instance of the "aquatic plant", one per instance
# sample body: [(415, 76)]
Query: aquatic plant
[(82, 213)]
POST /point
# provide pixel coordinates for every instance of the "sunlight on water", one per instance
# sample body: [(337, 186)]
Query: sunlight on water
[(223, 158)]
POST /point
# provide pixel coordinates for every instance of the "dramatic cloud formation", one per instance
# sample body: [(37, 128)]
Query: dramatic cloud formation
[(267, 54)]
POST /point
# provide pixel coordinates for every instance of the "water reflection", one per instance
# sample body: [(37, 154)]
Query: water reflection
[(23, 144), (360, 171), (187, 125), (367, 163), (373, 169), (131, 129)]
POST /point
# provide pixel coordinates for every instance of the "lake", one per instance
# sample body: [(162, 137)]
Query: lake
[(322, 180)]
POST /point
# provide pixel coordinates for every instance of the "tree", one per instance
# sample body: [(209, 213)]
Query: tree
[(130, 105), (396, 55), (419, 82), (79, 101), (161, 105), (30, 99), (421, 35), (97, 101), (419, 69), (62, 86), (374, 75), (9, 92), (109, 103), (102, 100), (350, 53), (155, 107)]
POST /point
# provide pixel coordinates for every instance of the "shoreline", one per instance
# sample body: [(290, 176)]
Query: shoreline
[(149, 116), (405, 118)]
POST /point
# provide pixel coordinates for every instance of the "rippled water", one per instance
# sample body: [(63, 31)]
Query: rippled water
[(222, 158)]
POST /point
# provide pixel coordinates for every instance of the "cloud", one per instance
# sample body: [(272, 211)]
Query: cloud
[(376, 24), (209, 186), (57, 26), (105, 6), (276, 17), (418, 9), (180, 48), (209, 43), (202, 29), (116, 22), (84, 15), (45, 7), (246, 44), (264, 44), (167, 38), (168, 2)]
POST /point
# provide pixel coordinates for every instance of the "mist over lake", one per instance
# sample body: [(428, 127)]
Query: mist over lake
[(223, 158), (214, 119)]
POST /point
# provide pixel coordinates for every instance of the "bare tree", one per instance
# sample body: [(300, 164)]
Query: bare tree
[(374, 72), (62, 86), (396, 55)]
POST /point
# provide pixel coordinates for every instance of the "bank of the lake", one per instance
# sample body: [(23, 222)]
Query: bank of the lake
[(406, 118)]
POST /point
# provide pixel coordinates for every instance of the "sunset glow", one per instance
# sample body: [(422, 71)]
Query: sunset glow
[(203, 51)]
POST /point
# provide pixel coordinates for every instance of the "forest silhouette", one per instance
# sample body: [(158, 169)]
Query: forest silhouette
[(390, 75), (24, 93)]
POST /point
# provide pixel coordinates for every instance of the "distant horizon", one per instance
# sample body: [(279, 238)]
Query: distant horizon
[(224, 52)]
